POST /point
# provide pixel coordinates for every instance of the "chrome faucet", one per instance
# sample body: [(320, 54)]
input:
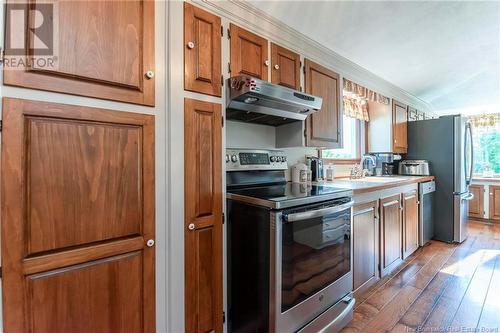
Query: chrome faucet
[(357, 171), (367, 157)]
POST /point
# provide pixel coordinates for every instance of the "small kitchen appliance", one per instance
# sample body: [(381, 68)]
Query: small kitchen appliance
[(414, 168), (274, 229), (387, 168), (384, 163)]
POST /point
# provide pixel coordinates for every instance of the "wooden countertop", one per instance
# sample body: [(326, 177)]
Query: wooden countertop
[(486, 179), (370, 184)]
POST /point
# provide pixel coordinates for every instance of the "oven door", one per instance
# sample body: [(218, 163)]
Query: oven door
[(311, 262)]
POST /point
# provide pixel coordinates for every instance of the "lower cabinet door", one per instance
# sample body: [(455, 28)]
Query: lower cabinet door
[(365, 245), (78, 222), (494, 202), (203, 216), (476, 205), (410, 223), (390, 233)]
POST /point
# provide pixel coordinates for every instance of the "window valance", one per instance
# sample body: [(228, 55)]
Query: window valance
[(356, 99)]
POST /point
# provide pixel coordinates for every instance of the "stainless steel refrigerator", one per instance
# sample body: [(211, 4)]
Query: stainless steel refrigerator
[(446, 143)]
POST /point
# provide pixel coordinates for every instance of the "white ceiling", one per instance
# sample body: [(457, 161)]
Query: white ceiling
[(444, 52)]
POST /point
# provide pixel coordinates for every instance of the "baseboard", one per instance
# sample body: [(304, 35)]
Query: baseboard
[(482, 220)]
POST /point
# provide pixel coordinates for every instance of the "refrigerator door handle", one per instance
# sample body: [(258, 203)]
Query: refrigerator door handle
[(469, 197), (471, 147)]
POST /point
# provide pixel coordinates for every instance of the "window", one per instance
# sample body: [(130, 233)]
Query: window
[(486, 143), (351, 139)]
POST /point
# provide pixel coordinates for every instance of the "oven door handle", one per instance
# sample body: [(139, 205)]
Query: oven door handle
[(317, 213)]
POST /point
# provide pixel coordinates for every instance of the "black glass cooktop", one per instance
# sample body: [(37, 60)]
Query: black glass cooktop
[(280, 196)]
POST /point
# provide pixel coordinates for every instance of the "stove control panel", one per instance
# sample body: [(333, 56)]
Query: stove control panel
[(238, 159)]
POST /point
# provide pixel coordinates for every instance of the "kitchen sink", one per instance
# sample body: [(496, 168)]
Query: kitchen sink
[(376, 179)]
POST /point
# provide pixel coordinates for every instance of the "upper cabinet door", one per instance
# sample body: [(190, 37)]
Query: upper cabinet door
[(323, 128), (101, 49), (202, 51), (249, 53), (285, 69), (399, 127)]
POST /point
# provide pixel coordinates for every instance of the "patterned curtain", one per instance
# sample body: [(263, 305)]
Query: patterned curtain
[(356, 99), (355, 108), (491, 120)]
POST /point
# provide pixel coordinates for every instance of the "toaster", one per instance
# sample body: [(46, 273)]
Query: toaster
[(414, 168)]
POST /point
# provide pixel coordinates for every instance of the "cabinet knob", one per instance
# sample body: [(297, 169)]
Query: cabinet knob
[(277, 66), (149, 75), (150, 242), (266, 62), (190, 45), (191, 226)]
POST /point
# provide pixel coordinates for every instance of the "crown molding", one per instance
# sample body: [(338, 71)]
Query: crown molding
[(244, 14)]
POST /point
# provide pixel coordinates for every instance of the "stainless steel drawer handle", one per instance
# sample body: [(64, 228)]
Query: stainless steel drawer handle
[(317, 213), (191, 226), (150, 242), (190, 45)]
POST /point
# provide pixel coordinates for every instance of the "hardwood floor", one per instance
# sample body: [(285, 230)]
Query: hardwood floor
[(440, 288)]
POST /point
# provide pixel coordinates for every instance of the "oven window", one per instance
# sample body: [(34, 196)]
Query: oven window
[(315, 253)]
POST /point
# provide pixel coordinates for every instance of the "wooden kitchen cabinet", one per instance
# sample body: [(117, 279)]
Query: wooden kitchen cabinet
[(78, 254), (476, 205), (390, 233), (202, 51), (399, 127), (494, 202), (285, 69), (324, 128), (203, 216), (365, 245), (249, 53), (410, 223), (105, 49)]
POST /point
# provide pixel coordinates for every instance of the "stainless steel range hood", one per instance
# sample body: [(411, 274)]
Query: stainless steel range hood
[(256, 101)]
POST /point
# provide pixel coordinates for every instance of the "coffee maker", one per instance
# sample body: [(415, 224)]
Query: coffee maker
[(386, 164)]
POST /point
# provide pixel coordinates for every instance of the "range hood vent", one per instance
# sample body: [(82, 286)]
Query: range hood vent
[(255, 101)]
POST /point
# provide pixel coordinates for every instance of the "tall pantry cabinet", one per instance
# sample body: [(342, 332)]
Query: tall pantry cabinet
[(78, 223), (203, 172), (78, 183)]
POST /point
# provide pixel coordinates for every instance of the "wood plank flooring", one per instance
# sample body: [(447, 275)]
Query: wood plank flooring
[(440, 288)]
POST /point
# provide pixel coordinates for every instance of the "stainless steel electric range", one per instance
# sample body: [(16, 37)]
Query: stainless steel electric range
[(289, 248)]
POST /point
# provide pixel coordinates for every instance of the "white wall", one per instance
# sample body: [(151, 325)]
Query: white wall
[(244, 135)]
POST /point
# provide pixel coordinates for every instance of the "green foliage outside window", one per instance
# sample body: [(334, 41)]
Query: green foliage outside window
[(486, 151)]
